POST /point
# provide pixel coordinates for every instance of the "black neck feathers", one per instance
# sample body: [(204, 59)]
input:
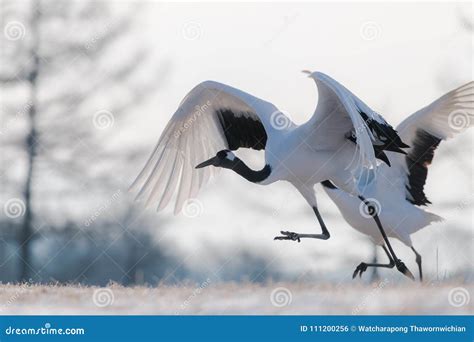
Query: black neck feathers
[(243, 170)]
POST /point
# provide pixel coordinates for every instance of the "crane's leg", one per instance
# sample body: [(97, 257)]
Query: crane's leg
[(418, 262), (297, 236), (398, 263), (363, 266)]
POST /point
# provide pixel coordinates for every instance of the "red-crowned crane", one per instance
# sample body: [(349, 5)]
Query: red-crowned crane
[(341, 142), (399, 190)]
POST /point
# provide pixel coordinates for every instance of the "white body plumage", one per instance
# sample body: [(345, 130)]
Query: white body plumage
[(399, 217)]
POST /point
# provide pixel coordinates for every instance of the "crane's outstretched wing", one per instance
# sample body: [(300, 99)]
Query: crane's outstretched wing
[(341, 116), (212, 117), (452, 113)]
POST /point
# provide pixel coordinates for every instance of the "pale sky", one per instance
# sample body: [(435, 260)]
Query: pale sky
[(261, 48)]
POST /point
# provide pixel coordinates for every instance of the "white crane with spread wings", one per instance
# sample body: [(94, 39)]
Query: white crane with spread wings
[(398, 191), (341, 142)]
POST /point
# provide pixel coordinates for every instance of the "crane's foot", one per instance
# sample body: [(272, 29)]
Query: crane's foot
[(288, 236), (360, 269), (403, 269)]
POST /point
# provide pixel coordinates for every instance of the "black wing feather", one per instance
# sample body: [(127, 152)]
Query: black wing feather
[(387, 138), (242, 130), (418, 160)]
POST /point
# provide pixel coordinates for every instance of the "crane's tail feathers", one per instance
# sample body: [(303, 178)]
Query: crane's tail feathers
[(429, 218), (432, 218)]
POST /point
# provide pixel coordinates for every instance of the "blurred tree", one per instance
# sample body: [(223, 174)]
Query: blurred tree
[(68, 71)]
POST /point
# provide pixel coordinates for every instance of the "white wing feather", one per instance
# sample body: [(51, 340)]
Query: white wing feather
[(338, 113), (444, 118), (449, 115), (193, 135)]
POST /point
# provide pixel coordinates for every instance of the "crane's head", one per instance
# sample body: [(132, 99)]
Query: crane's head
[(224, 158)]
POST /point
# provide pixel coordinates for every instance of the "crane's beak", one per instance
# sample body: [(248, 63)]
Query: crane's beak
[(207, 163)]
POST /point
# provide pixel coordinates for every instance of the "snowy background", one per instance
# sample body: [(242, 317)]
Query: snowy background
[(86, 88)]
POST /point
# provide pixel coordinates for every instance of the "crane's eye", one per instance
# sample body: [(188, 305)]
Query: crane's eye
[(222, 154)]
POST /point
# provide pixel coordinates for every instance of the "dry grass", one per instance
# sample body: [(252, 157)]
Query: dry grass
[(234, 298)]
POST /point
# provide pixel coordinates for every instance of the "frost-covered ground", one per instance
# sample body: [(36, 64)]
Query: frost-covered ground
[(238, 298)]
